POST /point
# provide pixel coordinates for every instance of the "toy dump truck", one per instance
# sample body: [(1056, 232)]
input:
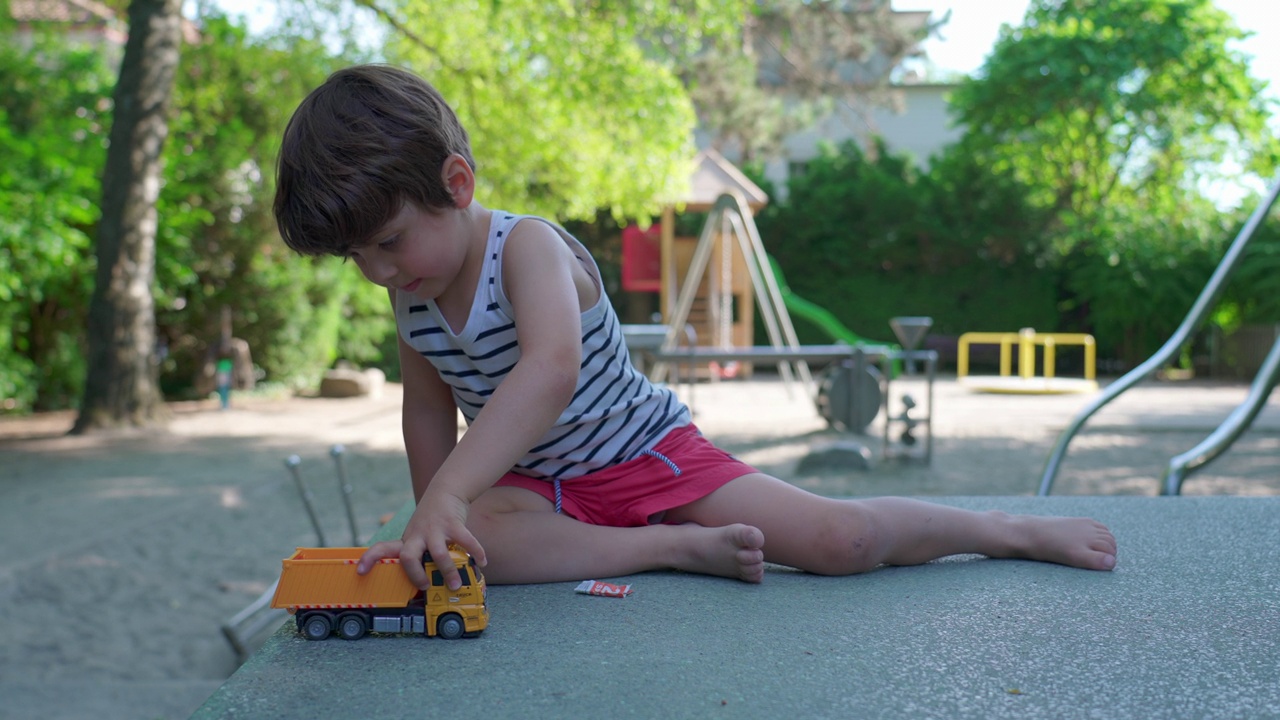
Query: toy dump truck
[(320, 587)]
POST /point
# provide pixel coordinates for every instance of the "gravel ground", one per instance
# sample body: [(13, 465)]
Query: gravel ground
[(126, 553)]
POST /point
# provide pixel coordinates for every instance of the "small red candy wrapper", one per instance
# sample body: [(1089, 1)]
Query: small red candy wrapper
[(595, 587)]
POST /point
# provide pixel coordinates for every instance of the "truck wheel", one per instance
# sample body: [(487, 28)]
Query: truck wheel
[(351, 627), (450, 627), (317, 626)]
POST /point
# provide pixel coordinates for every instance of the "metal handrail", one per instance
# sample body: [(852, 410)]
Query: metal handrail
[(1229, 431), (1199, 310)]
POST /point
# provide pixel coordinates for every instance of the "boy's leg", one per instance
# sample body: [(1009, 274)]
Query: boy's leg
[(837, 537), (527, 542)]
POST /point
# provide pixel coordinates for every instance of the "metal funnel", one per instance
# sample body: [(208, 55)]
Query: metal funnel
[(910, 330)]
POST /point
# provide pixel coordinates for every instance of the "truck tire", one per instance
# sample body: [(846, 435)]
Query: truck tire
[(352, 626), (317, 626), (450, 626)]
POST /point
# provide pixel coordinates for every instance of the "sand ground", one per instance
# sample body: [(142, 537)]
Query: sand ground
[(125, 554)]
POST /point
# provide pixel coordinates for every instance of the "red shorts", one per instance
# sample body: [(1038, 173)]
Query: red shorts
[(638, 492)]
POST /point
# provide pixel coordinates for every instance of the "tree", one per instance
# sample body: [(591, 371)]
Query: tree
[(1112, 114), (1090, 101), (51, 153), (121, 385), (571, 106), (870, 235), (218, 249), (792, 61)]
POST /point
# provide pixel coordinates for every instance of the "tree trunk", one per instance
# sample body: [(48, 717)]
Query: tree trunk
[(121, 385)]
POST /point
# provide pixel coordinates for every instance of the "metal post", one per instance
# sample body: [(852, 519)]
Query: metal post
[(931, 365), (1194, 317), (292, 462), (345, 488), (1229, 431)]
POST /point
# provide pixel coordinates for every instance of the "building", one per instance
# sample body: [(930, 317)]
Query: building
[(916, 121), (83, 20), (86, 21)]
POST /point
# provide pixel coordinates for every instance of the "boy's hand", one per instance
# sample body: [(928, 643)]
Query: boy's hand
[(439, 520)]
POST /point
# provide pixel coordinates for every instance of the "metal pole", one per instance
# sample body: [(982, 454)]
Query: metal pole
[(931, 365), (345, 487), (1229, 431), (1180, 337), (684, 300), (769, 311), (292, 462)]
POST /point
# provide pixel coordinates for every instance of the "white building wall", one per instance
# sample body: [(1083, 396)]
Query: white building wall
[(921, 130)]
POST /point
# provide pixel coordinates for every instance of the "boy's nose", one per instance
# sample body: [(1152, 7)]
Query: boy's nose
[(379, 271)]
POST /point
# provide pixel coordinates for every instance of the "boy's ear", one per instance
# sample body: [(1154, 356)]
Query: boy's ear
[(460, 180)]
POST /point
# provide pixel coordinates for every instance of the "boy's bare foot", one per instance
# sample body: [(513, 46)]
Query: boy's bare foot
[(732, 551), (1078, 542)]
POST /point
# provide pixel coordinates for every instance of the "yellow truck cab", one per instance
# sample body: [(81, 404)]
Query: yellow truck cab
[(320, 587)]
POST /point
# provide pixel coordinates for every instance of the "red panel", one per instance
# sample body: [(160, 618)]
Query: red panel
[(642, 259)]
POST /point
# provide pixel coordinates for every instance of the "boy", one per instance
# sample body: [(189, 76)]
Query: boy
[(574, 465)]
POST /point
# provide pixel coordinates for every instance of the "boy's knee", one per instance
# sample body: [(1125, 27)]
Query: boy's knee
[(849, 541), (494, 503)]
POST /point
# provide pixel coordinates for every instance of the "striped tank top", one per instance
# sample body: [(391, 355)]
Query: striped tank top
[(615, 415)]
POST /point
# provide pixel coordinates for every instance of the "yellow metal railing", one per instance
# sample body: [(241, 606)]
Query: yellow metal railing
[(1027, 339)]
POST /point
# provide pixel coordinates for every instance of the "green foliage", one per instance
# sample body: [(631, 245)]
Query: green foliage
[(789, 64), (53, 115), (612, 131), (1142, 273), (218, 245), (1087, 98), (1253, 294), (1113, 115), (568, 112), (870, 239)]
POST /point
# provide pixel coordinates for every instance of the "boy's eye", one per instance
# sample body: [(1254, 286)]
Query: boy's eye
[(389, 242)]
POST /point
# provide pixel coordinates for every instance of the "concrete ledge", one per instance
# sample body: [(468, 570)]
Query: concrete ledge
[(1187, 626)]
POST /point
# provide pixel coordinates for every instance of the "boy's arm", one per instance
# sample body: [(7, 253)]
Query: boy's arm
[(429, 425), (428, 418), (539, 277)]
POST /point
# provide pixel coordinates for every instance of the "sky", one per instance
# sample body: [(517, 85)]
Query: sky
[(963, 43)]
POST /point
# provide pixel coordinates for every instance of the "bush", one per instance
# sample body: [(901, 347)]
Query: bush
[(870, 238)]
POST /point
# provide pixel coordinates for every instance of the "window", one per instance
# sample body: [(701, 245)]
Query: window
[(437, 578)]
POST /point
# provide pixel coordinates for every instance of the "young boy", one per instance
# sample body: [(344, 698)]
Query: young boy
[(574, 465)]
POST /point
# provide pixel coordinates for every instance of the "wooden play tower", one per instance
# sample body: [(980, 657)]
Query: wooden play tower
[(711, 287), (721, 312)]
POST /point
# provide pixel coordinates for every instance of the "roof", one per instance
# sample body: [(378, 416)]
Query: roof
[(67, 11), (84, 14), (713, 176)]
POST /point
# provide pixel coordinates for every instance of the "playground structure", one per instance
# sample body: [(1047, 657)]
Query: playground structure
[(1027, 381), (707, 291), (1221, 439), (729, 275)]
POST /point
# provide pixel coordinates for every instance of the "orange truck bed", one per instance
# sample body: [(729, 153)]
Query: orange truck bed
[(326, 577)]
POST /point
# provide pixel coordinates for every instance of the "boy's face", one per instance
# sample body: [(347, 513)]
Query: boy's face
[(418, 251)]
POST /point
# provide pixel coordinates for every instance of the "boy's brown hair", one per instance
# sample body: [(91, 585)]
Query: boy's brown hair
[(368, 140)]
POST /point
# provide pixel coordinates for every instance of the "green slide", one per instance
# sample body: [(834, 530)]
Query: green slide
[(817, 315)]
